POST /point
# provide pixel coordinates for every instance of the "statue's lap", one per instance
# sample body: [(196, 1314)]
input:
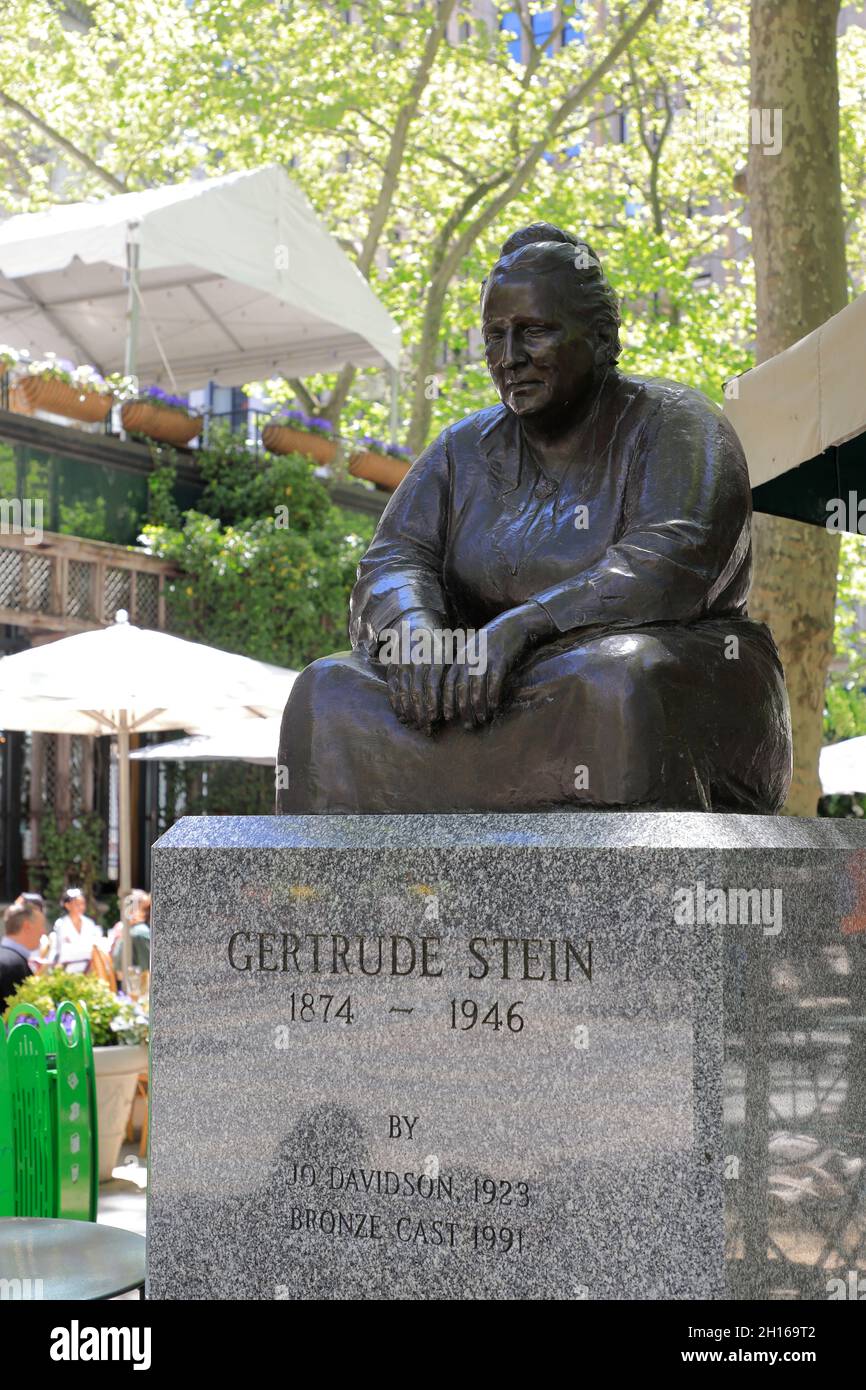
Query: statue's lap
[(675, 715)]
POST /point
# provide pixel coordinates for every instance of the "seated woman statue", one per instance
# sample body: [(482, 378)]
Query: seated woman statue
[(588, 542)]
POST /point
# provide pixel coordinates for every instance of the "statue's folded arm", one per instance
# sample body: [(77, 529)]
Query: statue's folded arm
[(685, 537), (684, 540), (402, 570)]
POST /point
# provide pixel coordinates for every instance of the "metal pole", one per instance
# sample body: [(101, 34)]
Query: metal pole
[(124, 833), (130, 365), (130, 360)]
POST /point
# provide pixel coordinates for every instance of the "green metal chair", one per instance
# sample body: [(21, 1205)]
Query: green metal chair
[(49, 1156), (33, 1124), (7, 1146), (76, 1118), (28, 1013)]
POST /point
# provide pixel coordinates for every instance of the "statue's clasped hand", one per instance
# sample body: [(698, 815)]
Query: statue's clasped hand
[(471, 688), (415, 683)]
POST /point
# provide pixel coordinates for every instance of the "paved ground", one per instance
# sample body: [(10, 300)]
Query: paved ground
[(123, 1200)]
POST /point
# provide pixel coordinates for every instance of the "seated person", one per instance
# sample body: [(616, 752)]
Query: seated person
[(75, 934), (591, 534), (23, 925), (39, 955), (135, 911)]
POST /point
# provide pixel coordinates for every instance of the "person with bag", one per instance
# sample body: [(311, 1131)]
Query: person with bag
[(77, 937)]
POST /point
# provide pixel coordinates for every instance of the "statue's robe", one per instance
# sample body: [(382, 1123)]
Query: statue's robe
[(657, 690)]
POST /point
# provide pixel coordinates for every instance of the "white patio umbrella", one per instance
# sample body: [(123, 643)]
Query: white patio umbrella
[(252, 741), (231, 279), (842, 767), (123, 679)]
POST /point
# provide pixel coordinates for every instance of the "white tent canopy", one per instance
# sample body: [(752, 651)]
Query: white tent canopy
[(249, 741), (842, 768), (238, 280), (795, 405)]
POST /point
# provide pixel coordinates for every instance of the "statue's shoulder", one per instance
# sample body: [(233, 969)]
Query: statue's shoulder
[(466, 436), (469, 432), (657, 393), (672, 416)]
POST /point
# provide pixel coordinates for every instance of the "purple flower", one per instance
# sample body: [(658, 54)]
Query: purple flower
[(29, 1020), (314, 423), (380, 446), (156, 393)]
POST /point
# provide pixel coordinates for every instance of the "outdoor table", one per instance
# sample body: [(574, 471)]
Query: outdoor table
[(73, 1259)]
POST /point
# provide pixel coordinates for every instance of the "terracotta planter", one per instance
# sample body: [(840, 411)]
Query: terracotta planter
[(29, 393), (379, 468), (157, 422), (284, 439), (117, 1068)]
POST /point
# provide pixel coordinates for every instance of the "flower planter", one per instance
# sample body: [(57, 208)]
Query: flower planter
[(29, 393), (284, 439), (117, 1068), (166, 426), (379, 468)]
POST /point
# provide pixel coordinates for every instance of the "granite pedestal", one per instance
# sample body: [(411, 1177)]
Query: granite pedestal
[(598, 1056)]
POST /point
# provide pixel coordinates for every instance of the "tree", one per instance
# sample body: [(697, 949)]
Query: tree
[(798, 233), (83, 111), (452, 191), (420, 152), (489, 196), (430, 141)]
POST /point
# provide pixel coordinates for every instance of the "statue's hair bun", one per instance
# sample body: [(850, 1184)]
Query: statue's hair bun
[(536, 232)]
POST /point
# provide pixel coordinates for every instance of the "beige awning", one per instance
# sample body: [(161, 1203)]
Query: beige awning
[(799, 403)]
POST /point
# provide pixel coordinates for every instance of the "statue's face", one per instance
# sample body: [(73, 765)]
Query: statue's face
[(540, 353)]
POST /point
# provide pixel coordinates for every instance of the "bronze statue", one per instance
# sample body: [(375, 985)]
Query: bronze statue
[(552, 613)]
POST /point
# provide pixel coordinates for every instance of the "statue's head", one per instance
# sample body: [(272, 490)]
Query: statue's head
[(550, 321)]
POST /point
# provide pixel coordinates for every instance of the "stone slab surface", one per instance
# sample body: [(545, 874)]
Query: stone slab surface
[(565, 1056)]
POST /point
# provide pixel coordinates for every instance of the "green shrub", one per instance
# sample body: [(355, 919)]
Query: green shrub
[(267, 561), (49, 989)]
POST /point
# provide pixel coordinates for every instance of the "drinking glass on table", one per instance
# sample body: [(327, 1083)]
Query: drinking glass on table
[(133, 982)]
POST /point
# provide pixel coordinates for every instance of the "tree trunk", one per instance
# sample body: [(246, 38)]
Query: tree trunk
[(425, 365), (799, 247)]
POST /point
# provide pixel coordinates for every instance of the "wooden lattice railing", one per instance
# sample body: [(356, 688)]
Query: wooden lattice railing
[(64, 584)]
